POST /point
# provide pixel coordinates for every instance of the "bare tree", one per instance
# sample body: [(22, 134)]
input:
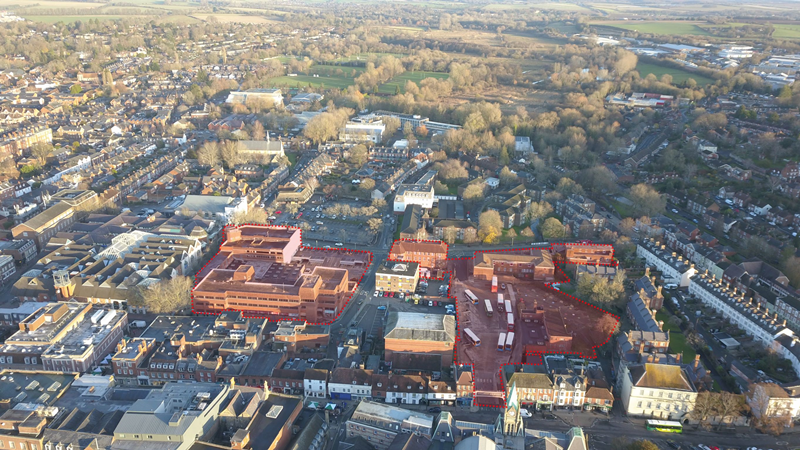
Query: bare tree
[(230, 153), (41, 152), (165, 297), (450, 234), (253, 215), (208, 154)]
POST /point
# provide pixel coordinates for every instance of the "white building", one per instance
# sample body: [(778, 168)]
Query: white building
[(441, 393), (413, 194), (736, 52), (362, 129), (674, 268), (659, 391), (315, 383), (771, 400), (273, 96), (350, 384)]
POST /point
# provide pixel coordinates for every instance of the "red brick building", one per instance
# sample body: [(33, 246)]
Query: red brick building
[(429, 254), (536, 265)]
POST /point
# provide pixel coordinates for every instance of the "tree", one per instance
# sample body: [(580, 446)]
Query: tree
[(626, 226), (8, 168), (599, 180), (208, 154), (107, 78), (507, 177), (391, 125), (452, 170), (164, 297), (730, 405), (230, 153), (646, 200), (511, 234), (527, 232), (375, 224), (253, 215), (552, 228), (705, 407), (440, 188), (367, 184), (379, 203), (567, 186), (473, 194), (41, 152), (258, 132), (450, 234), (75, 89), (358, 155), (791, 267), (539, 210)]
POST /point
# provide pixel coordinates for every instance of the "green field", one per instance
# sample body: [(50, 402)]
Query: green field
[(368, 56), (678, 75), (400, 80), (333, 71), (315, 82), (657, 27), (786, 31), (71, 19)]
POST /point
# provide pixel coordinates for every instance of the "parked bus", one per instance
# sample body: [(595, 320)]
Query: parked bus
[(494, 283), (510, 321), (471, 296), (508, 306), (501, 342), (665, 426), (500, 303), (471, 337), (509, 341), (487, 304)]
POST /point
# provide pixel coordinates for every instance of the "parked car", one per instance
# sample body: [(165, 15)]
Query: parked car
[(525, 413), (435, 409), (376, 294)]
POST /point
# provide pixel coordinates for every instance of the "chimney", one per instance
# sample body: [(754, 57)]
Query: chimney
[(641, 346), (784, 323), (659, 292), (696, 362), (661, 324), (651, 358), (647, 272)]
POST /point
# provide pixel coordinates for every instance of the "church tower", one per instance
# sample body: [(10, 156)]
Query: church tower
[(509, 426)]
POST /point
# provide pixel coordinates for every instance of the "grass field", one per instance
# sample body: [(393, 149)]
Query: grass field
[(234, 18), (657, 27), (52, 4), (316, 82), (678, 75), (333, 71), (71, 19), (368, 56), (400, 80), (786, 31)]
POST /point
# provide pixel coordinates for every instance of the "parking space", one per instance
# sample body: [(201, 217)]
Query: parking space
[(408, 304)]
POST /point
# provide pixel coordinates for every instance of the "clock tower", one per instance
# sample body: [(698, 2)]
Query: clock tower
[(509, 426)]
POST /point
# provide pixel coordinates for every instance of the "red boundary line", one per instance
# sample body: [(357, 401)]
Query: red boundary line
[(539, 355)]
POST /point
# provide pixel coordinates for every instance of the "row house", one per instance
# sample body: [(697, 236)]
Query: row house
[(791, 189), (700, 204), (713, 219), (359, 384), (542, 391), (780, 216)]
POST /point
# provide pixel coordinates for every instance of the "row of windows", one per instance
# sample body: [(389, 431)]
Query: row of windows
[(22, 445), (10, 360), (667, 406), (677, 396)]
